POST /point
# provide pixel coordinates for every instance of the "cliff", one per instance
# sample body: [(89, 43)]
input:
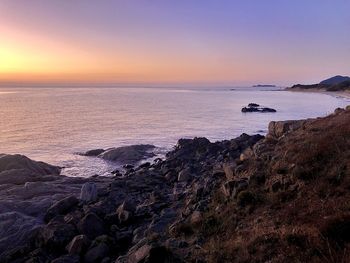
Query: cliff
[(336, 83)]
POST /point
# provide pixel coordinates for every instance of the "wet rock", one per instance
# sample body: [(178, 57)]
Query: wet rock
[(129, 154), (88, 192), (91, 226), (94, 152), (61, 207), (78, 245)]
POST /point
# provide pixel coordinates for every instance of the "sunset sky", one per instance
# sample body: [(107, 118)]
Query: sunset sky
[(179, 41)]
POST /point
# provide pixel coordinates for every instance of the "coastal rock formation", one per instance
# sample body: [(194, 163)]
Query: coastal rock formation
[(253, 107), (240, 200), (131, 154), (336, 83), (19, 169)]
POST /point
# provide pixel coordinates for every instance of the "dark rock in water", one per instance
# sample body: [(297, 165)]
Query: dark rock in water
[(129, 154), (61, 207), (91, 226), (268, 110), (253, 107), (94, 152)]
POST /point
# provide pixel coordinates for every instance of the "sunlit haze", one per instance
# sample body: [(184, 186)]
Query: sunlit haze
[(219, 42)]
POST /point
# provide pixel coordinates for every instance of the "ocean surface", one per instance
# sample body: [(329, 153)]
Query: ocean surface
[(53, 124)]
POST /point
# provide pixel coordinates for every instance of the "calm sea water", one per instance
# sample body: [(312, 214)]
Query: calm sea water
[(52, 124)]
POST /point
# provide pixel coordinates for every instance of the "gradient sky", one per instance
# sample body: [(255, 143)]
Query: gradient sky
[(179, 41)]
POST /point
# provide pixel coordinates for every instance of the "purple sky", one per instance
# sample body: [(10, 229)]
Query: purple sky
[(182, 41)]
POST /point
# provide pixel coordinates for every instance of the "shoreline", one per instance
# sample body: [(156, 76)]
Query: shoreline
[(341, 94)]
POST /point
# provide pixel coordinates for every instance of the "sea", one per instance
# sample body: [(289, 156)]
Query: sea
[(53, 124)]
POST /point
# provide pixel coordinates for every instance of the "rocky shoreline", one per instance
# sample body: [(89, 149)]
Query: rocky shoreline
[(205, 202)]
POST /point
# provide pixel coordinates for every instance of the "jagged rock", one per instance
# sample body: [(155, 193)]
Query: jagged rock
[(279, 128), (78, 245), (91, 226), (61, 207), (88, 192)]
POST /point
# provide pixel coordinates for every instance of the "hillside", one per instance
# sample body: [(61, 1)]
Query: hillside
[(337, 83)]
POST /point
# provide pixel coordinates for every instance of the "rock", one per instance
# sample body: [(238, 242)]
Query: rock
[(55, 236), (91, 226), (97, 253), (78, 245), (184, 175), (88, 192), (94, 152), (19, 169), (279, 128), (67, 259), (128, 154), (125, 212), (246, 154), (61, 207), (147, 253), (16, 161), (252, 107), (15, 230)]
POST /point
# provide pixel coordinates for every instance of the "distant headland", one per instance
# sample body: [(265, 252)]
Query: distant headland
[(336, 83)]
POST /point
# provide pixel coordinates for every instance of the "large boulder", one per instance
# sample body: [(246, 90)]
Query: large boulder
[(129, 154), (279, 128), (19, 169), (91, 226), (78, 245), (61, 207), (55, 236)]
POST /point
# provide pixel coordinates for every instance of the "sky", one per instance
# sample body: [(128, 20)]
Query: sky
[(236, 42)]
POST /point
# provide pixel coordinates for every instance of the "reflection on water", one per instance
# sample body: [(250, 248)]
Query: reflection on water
[(51, 124)]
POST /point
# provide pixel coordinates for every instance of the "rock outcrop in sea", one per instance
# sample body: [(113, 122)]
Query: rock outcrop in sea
[(279, 198)]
